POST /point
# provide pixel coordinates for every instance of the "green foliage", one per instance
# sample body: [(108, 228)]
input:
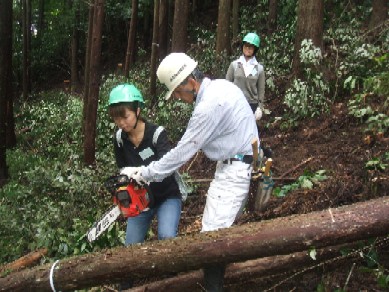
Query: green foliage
[(375, 119), (305, 181), (308, 98), (377, 163), (373, 265), (52, 198)]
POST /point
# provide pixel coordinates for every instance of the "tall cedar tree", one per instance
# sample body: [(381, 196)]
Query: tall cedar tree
[(163, 34), (94, 85), (235, 19), (74, 77), (272, 18), (180, 26), (130, 52), (154, 54), (223, 27), (310, 15), (5, 79), (26, 48), (379, 13)]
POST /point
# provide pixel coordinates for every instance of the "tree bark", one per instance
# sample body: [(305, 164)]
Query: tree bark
[(246, 272), (379, 13), (310, 17), (94, 85), (223, 27), (5, 81), (130, 52), (154, 54), (279, 236), (235, 19), (74, 77), (25, 261), (180, 26), (163, 31), (272, 18), (26, 48)]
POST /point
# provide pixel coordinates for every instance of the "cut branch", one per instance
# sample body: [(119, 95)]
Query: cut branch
[(280, 236), (296, 167), (25, 261)]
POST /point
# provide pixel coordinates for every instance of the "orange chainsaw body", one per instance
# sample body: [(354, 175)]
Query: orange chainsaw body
[(131, 199)]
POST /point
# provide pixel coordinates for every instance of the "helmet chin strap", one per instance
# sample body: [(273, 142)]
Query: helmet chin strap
[(193, 92), (136, 115)]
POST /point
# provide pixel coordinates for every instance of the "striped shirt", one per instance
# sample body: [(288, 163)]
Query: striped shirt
[(222, 125)]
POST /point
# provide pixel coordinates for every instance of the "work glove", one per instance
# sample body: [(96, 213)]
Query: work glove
[(258, 114), (129, 171), (139, 179)]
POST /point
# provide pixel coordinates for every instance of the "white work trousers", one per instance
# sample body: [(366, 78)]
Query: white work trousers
[(227, 195)]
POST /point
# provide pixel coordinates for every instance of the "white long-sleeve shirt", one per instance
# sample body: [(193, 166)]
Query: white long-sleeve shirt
[(222, 125)]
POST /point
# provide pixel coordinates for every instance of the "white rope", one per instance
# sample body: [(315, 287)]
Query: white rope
[(51, 275)]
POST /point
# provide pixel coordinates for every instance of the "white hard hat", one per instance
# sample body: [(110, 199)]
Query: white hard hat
[(173, 69)]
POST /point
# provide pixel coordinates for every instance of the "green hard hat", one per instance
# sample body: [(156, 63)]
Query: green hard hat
[(125, 93), (252, 38)]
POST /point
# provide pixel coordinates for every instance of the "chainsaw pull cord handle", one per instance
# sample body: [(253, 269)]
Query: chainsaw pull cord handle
[(51, 278)]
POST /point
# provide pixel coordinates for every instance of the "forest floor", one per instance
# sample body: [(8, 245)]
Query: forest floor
[(336, 143)]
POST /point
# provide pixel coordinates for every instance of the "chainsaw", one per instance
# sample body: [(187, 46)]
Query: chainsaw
[(129, 199)]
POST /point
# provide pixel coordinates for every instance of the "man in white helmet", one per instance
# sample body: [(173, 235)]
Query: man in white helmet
[(223, 127)]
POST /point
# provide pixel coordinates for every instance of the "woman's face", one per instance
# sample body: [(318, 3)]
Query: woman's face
[(127, 121), (248, 50)]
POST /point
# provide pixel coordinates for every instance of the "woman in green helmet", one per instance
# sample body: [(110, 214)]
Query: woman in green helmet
[(138, 143), (249, 75)]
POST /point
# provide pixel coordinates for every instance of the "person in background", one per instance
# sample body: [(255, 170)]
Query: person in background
[(249, 75), (138, 143), (223, 127)]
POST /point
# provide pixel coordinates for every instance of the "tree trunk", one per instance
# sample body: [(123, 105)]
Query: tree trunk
[(310, 18), (163, 34), (379, 13), (87, 64), (238, 274), (180, 26), (5, 80), (280, 236), (235, 19), (147, 11), (154, 54), (223, 27), (74, 77), (87, 52), (94, 85), (272, 18), (130, 53), (26, 48)]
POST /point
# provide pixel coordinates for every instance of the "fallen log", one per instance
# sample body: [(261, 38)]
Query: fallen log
[(25, 261), (246, 271), (279, 236)]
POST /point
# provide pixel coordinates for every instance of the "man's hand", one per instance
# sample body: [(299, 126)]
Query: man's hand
[(129, 171), (139, 179), (258, 114)]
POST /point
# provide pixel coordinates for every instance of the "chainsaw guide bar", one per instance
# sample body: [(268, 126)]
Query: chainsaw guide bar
[(100, 226)]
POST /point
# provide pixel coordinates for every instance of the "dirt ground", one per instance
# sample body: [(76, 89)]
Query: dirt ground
[(335, 143)]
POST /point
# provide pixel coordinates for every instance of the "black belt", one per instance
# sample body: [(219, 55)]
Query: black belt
[(246, 159)]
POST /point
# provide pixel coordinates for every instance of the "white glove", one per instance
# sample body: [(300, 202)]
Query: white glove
[(139, 179), (258, 114), (129, 171)]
